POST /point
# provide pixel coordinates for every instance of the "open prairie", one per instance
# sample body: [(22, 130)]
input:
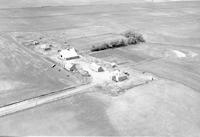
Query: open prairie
[(168, 106), (25, 75)]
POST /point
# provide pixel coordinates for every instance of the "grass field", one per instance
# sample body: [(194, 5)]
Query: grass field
[(119, 54), (25, 75), (162, 108)]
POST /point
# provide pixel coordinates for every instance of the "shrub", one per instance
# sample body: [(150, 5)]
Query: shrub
[(109, 44), (114, 43), (118, 43), (132, 40), (140, 38), (99, 47), (133, 37)]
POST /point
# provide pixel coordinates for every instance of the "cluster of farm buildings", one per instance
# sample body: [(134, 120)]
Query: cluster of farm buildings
[(69, 59), (70, 54)]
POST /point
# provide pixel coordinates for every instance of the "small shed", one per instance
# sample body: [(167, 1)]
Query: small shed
[(68, 54), (70, 66), (45, 46), (96, 67), (119, 76), (84, 73), (35, 42), (114, 65)]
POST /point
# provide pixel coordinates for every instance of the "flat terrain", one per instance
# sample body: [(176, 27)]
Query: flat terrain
[(24, 74), (162, 108)]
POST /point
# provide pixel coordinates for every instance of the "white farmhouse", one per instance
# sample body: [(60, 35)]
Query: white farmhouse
[(68, 54)]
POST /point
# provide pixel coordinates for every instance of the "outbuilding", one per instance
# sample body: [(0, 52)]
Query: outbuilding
[(84, 72), (35, 42), (96, 67), (45, 46), (114, 65), (68, 54), (119, 76), (70, 66)]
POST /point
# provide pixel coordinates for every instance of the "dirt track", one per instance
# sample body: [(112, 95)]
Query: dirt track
[(43, 99), (163, 108)]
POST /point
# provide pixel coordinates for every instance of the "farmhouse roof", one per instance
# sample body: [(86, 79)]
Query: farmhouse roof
[(68, 53)]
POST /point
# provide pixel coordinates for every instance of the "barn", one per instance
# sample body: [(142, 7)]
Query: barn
[(96, 67), (119, 76), (70, 67)]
